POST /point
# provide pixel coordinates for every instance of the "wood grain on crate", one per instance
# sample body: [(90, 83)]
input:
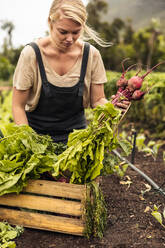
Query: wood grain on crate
[(47, 205)]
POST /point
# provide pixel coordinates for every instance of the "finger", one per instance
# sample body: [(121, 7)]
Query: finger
[(113, 96), (125, 102), (122, 105)]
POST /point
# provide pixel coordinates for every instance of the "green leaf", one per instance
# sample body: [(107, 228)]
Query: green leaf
[(140, 141), (10, 244), (157, 216), (9, 166), (8, 233), (126, 146), (7, 184), (155, 208)]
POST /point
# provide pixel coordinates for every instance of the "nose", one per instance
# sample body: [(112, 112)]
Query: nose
[(69, 37)]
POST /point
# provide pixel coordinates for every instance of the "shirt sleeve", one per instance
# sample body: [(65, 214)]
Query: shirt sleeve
[(25, 71), (98, 69)]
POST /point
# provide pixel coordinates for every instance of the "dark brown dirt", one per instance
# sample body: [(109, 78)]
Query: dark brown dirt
[(130, 223)]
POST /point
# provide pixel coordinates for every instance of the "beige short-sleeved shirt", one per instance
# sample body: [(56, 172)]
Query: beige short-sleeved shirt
[(27, 75)]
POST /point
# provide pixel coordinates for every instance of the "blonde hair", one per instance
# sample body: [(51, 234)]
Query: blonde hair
[(75, 10)]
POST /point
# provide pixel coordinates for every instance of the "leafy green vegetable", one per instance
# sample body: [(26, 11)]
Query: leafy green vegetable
[(86, 148), (8, 233), (23, 155)]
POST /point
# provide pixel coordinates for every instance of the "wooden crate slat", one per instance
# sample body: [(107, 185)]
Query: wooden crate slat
[(42, 203), (43, 221), (51, 198), (45, 187)]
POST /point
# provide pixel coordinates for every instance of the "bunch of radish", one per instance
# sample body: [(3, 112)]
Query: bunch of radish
[(130, 89)]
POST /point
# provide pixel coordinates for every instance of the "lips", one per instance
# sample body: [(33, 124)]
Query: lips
[(68, 44)]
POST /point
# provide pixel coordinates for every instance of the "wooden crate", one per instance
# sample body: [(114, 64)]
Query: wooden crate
[(47, 205)]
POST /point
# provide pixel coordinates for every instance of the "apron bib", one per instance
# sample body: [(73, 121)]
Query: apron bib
[(60, 109)]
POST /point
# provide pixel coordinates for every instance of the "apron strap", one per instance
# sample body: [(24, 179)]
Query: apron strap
[(83, 68), (39, 60)]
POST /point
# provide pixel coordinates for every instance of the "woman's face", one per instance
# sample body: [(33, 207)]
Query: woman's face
[(65, 33)]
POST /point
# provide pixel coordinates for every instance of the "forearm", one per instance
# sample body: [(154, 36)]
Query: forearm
[(19, 116), (97, 95), (101, 101)]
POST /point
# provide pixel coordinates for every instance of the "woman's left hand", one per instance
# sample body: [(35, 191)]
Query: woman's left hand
[(123, 105)]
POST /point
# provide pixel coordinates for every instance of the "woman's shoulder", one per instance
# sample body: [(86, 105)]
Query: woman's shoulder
[(28, 52), (94, 52), (28, 49)]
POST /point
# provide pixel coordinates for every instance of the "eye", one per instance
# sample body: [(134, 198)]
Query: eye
[(76, 32), (63, 32)]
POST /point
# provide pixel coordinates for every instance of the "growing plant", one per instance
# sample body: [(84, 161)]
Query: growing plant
[(8, 233), (6, 68), (158, 215), (5, 106), (149, 148)]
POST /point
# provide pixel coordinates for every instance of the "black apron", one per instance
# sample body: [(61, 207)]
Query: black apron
[(60, 109)]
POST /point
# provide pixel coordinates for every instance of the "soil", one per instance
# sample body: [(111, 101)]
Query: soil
[(129, 203)]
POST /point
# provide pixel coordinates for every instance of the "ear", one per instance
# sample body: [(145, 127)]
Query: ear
[(49, 22)]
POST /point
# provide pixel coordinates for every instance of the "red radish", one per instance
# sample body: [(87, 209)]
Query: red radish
[(130, 90), (126, 94), (63, 179), (122, 82), (137, 95), (135, 82)]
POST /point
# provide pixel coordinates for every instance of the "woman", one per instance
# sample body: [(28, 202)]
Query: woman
[(59, 75)]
